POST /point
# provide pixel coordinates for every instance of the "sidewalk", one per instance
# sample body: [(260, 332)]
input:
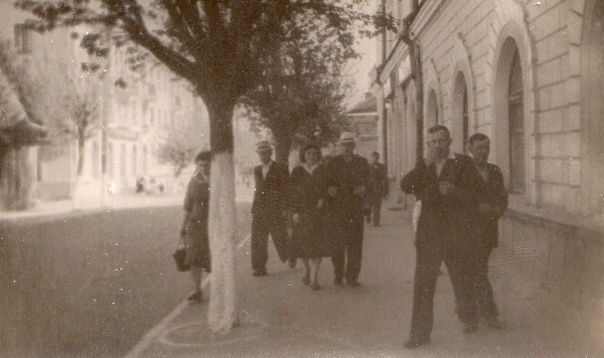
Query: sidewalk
[(282, 318)]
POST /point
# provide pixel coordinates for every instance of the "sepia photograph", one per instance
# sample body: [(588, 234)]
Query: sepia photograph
[(301, 178)]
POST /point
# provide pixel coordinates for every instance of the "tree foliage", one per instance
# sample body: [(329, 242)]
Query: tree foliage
[(178, 149)]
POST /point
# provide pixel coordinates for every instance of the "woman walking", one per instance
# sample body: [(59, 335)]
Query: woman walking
[(307, 203), (195, 226)]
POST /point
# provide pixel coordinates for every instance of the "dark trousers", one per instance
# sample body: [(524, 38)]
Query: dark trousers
[(373, 212), (482, 289), (350, 255), (429, 259), (262, 226)]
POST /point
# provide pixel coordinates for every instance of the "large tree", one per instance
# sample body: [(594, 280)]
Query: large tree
[(223, 48)]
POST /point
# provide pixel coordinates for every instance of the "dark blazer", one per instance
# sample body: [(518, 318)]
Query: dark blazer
[(346, 177), (492, 191), (378, 180), (444, 218), (270, 193)]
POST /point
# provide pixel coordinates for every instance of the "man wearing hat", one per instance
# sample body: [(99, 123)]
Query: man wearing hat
[(348, 180), (268, 208)]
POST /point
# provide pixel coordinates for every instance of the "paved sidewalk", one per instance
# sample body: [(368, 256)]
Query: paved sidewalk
[(280, 317)]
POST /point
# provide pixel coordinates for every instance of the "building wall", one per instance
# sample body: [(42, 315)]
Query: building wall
[(560, 47)]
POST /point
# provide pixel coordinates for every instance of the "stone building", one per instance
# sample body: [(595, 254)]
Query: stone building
[(134, 118), (530, 75)]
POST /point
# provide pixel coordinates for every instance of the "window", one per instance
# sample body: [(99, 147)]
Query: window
[(22, 38), (516, 123)]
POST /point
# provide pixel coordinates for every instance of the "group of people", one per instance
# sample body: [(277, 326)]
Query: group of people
[(462, 198), (319, 210), (323, 202)]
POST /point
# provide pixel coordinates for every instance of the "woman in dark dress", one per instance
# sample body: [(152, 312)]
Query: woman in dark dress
[(307, 204), (195, 226)]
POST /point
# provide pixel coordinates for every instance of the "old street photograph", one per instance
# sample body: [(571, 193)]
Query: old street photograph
[(301, 178)]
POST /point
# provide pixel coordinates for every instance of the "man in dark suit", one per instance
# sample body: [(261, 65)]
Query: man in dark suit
[(492, 202), (268, 209), (378, 182), (443, 181), (348, 180)]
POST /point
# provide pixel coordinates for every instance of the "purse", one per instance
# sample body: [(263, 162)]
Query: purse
[(179, 257)]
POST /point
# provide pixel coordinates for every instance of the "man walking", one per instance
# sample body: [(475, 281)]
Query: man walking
[(378, 181), (492, 202), (268, 209), (348, 180), (443, 182)]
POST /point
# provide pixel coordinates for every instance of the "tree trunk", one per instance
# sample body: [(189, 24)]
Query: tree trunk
[(284, 136), (222, 312), (80, 168), (17, 185)]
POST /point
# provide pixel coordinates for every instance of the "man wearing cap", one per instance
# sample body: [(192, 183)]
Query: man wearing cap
[(348, 181), (268, 208)]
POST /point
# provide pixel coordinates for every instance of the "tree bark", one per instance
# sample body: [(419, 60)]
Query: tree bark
[(18, 179), (222, 311)]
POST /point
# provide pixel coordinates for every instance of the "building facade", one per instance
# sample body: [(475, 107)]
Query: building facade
[(132, 121), (530, 75)]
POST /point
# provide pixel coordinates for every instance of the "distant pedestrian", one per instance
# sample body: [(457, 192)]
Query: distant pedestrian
[(378, 189), (195, 226), (268, 209), (348, 182), (492, 202), (443, 183), (308, 202)]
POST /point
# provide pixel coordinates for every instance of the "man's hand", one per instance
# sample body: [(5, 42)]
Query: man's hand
[(332, 191), (320, 204), (296, 218), (431, 156), (359, 190), (446, 188)]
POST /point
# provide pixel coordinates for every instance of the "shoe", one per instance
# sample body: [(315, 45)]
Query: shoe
[(259, 273), (338, 282), (353, 283), (195, 296), (494, 322), (306, 280), (469, 328), (416, 342), (292, 263), (377, 225), (315, 286)]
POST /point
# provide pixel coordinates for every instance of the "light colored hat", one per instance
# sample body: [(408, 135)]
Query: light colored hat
[(346, 138), (263, 146)]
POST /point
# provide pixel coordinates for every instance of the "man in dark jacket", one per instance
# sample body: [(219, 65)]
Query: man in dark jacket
[(492, 202), (378, 182), (348, 181), (268, 209), (443, 181)]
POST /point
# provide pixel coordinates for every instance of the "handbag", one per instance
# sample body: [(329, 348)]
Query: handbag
[(179, 257)]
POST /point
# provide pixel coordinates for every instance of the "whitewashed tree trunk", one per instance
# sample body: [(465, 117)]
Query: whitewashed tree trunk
[(222, 312)]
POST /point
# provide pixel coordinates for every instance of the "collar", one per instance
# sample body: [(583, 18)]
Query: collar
[(309, 169)]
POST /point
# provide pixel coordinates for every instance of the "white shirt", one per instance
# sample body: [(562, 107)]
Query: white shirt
[(440, 164), (265, 169)]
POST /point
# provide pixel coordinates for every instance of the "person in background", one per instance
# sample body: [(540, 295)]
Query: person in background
[(194, 230), (443, 181), (348, 182), (268, 209), (492, 202), (308, 191), (378, 188)]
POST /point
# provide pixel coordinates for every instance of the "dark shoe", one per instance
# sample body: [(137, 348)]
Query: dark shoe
[(259, 273), (315, 286), (338, 282), (306, 280), (195, 296), (353, 283), (416, 342), (494, 322), (469, 328), (377, 225), (292, 263)]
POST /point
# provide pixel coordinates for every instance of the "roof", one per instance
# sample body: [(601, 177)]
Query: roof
[(368, 105)]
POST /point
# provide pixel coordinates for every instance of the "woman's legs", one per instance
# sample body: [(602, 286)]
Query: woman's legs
[(196, 281), (306, 277), (314, 273)]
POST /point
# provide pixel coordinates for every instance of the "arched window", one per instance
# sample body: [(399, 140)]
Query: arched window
[(110, 168), (96, 164), (460, 126), (516, 133), (134, 156), (123, 157), (431, 111)]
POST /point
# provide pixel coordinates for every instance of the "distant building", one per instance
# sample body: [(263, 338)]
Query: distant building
[(529, 74), (135, 117), (364, 119)]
